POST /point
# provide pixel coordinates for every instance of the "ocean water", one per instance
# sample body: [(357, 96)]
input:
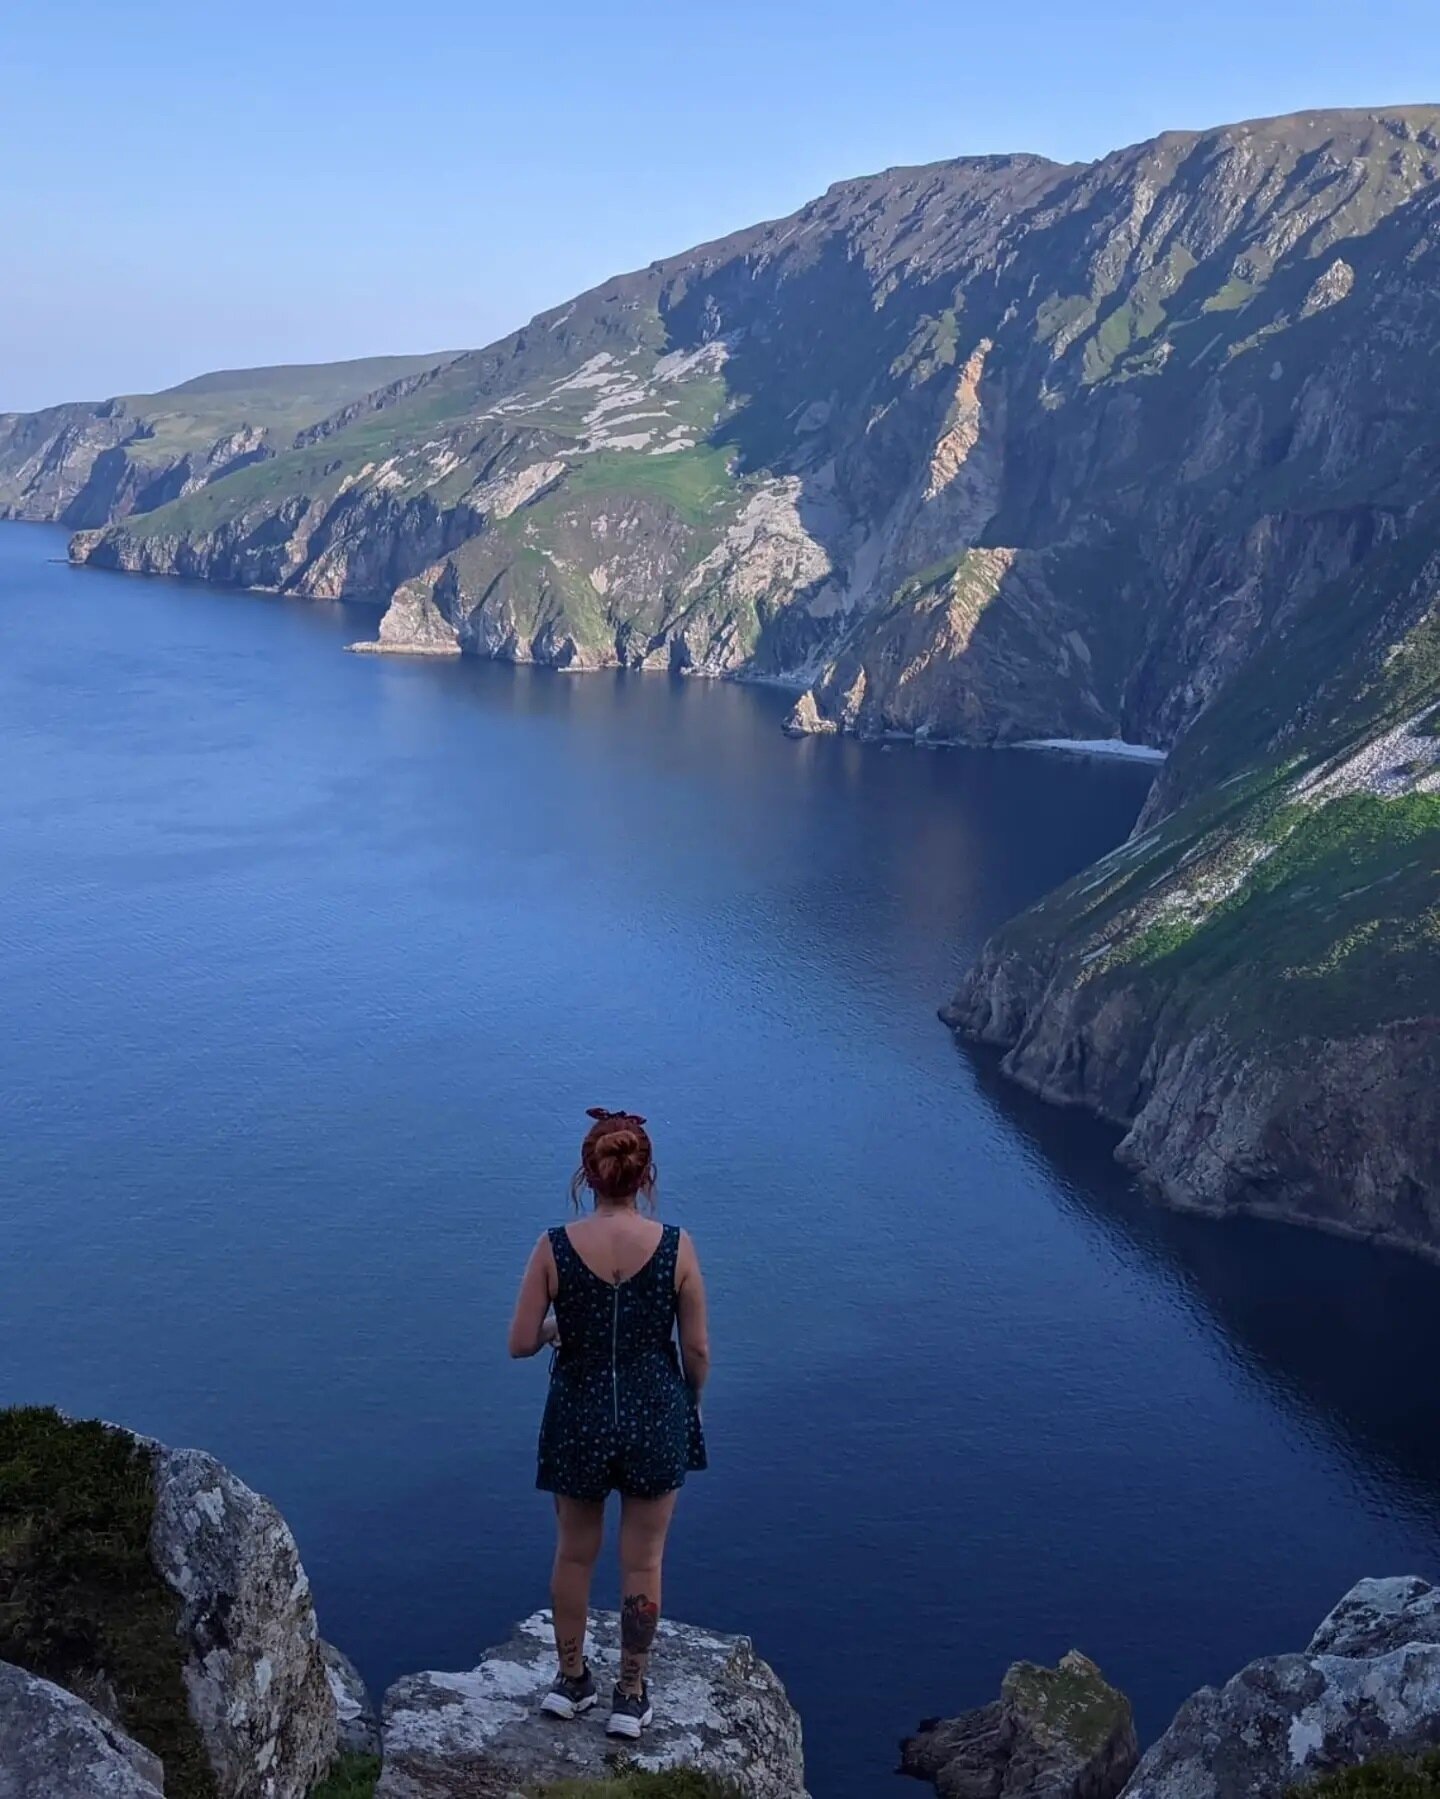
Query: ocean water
[(311, 964)]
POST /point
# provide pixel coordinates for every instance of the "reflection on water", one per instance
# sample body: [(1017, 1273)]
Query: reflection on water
[(312, 964)]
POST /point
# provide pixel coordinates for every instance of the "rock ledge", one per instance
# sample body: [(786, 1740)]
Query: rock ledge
[(472, 1735)]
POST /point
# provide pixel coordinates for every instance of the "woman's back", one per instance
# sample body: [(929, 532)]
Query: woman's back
[(615, 1245), (616, 1317)]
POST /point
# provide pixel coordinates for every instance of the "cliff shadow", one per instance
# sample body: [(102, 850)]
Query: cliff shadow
[(1344, 1332)]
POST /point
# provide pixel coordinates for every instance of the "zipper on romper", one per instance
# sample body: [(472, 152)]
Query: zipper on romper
[(615, 1357)]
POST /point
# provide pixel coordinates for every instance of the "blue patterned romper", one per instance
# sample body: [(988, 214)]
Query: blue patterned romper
[(619, 1415)]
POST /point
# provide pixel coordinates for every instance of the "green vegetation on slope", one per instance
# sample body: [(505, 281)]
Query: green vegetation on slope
[(638, 1783), (352, 1777), (283, 400), (1391, 1778), (80, 1602), (693, 482), (1343, 915)]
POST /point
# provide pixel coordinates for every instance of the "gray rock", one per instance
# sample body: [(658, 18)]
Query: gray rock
[(1378, 1616), (54, 1746), (1370, 1688), (718, 1707), (359, 1727), (1054, 1733), (257, 1683)]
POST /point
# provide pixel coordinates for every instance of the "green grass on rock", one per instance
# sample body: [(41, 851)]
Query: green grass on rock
[(1391, 1778), (80, 1602)]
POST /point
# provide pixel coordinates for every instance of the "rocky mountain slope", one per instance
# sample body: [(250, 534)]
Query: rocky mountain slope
[(86, 464), (991, 450)]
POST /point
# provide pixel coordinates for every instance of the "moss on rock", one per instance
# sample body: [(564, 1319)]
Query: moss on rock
[(1073, 1701), (80, 1601)]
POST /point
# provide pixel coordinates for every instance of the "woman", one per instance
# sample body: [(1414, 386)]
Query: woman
[(623, 1412)]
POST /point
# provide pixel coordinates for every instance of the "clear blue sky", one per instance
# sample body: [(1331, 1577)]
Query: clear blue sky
[(195, 186)]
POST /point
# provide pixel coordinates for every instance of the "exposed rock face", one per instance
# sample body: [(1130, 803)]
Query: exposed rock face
[(254, 1673), (54, 1746), (989, 451), (1368, 1685), (1251, 985), (1054, 1733), (996, 448), (359, 1728), (718, 1707)]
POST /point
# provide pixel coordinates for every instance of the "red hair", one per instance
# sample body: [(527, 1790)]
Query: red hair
[(616, 1158)]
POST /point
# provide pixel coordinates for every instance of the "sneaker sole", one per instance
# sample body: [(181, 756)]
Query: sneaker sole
[(557, 1706), (622, 1726)]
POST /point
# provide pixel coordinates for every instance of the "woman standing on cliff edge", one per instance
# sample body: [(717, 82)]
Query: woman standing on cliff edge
[(623, 1413)]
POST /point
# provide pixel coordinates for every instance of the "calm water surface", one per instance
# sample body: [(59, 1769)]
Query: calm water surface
[(311, 964)]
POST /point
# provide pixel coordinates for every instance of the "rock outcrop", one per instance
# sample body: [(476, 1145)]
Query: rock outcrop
[(1054, 1733), (358, 1727), (255, 1675), (1367, 1686), (161, 1590), (55, 1746), (471, 1735), (1251, 984)]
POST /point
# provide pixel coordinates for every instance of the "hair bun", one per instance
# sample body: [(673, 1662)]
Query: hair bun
[(602, 1114)]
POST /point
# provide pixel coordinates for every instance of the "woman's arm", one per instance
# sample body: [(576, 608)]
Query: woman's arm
[(693, 1320), (528, 1328)]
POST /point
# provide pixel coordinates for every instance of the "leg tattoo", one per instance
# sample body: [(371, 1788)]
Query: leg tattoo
[(639, 1620)]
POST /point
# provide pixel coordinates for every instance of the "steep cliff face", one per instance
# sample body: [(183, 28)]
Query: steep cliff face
[(1252, 983), (990, 449)]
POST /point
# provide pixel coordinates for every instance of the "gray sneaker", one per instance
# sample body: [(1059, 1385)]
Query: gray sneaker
[(571, 1694), (630, 1713)]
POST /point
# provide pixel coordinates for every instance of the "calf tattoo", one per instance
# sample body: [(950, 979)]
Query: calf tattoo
[(639, 1620)]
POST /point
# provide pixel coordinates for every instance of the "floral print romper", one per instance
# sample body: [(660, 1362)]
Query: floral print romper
[(619, 1416)]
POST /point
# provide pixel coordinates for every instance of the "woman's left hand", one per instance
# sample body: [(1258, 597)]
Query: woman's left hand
[(550, 1332)]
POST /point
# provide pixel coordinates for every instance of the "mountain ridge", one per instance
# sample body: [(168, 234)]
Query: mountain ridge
[(989, 450)]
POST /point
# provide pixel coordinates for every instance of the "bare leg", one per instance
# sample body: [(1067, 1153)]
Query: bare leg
[(579, 1529), (643, 1524)]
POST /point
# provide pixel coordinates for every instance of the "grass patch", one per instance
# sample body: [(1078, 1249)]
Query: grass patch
[(1231, 297), (1394, 1777), (80, 1602), (637, 1783), (693, 482), (352, 1777)]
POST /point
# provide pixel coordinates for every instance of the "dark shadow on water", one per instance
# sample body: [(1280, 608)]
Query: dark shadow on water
[(1313, 1316)]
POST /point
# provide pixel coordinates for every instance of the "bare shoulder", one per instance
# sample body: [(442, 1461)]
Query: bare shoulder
[(686, 1258)]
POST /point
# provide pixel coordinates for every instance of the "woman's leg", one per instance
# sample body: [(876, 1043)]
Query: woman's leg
[(643, 1524), (579, 1529)]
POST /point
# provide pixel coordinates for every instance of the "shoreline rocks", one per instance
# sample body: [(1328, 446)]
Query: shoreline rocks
[(1054, 1733)]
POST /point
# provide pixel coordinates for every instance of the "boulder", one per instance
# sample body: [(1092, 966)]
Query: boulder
[(55, 1746), (358, 1725), (471, 1735), (1367, 1685), (1054, 1733), (257, 1684)]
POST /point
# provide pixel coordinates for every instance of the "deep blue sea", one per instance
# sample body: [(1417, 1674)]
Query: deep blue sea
[(311, 964)]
